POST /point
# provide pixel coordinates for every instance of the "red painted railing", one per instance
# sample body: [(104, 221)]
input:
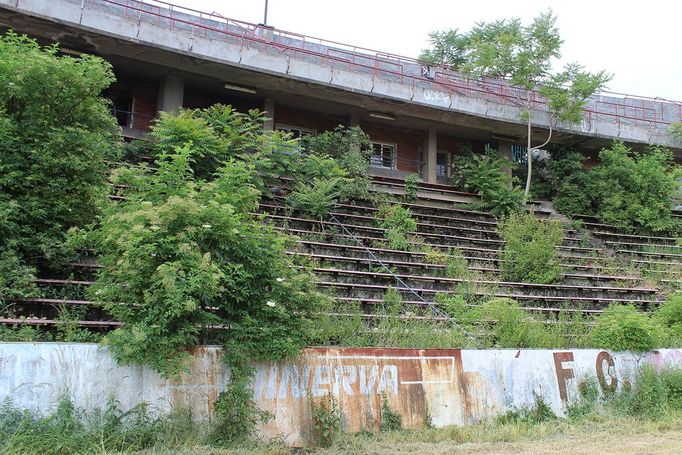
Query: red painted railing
[(618, 107)]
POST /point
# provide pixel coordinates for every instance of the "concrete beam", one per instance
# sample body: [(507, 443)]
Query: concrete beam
[(171, 94)]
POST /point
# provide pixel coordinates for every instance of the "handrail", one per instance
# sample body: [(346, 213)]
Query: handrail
[(376, 61), (434, 309)]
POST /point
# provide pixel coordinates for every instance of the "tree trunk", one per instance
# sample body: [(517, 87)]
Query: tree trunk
[(529, 154)]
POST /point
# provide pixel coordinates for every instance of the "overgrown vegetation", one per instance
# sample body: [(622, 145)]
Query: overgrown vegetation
[(530, 248), (398, 224), (630, 190), (486, 176), (56, 137)]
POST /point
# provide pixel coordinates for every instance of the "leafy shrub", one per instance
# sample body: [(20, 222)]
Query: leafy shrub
[(485, 175), (326, 421), (398, 223), (624, 328), (56, 135), (390, 419), (411, 187), (634, 191), (507, 326), (587, 400), (351, 149), (183, 254), (669, 315), (530, 249), (317, 199)]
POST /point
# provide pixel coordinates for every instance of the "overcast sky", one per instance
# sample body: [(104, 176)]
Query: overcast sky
[(640, 42)]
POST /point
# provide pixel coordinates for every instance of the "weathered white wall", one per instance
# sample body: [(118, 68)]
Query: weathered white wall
[(453, 386)]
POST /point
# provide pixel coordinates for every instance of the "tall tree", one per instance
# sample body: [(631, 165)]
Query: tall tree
[(523, 56)]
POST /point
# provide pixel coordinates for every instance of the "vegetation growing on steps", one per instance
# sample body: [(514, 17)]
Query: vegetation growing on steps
[(398, 224), (56, 137), (485, 175), (530, 248)]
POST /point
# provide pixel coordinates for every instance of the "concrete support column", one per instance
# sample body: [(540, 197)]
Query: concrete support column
[(171, 94), (269, 111), (504, 152), (354, 121), (430, 155)]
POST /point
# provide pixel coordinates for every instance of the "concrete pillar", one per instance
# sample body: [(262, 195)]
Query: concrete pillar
[(269, 111), (431, 148), (504, 152), (171, 94), (354, 121)]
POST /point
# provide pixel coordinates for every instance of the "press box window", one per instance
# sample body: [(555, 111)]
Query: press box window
[(383, 155)]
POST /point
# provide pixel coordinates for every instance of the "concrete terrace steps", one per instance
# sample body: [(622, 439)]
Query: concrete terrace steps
[(445, 283), (377, 291), (374, 232), (360, 255), (439, 270)]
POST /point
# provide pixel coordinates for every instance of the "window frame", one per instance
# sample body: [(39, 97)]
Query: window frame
[(394, 155)]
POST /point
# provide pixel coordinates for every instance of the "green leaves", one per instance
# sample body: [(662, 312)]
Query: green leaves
[(635, 191), (56, 135), (184, 260), (486, 176), (625, 328), (530, 249)]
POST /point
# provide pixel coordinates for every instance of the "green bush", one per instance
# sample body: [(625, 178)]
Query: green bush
[(317, 198), (56, 135), (669, 315), (624, 328), (398, 223), (182, 253), (390, 419), (634, 191), (411, 187), (485, 175), (530, 249), (507, 326)]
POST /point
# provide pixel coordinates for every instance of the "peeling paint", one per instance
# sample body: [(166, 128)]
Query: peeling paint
[(450, 386)]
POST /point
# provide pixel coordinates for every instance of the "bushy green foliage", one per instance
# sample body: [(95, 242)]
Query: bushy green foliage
[(411, 187), (184, 261), (317, 198), (326, 420), (485, 175), (56, 135), (23, 333), (350, 149), (669, 315), (634, 191), (624, 328), (390, 419), (507, 325), (530, 249), (398, 223)]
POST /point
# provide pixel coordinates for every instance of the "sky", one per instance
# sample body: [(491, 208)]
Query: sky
[(639, 42)]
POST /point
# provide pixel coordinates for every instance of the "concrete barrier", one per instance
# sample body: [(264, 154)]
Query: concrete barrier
[(447, 386)]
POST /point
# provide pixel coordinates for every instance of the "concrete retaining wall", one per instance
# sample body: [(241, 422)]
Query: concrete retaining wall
[(452, 386)]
